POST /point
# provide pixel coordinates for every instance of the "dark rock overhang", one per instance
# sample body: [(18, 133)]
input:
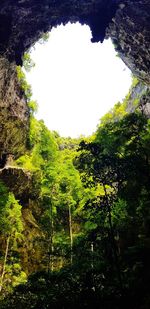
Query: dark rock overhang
[(22, 23), (21, 182)]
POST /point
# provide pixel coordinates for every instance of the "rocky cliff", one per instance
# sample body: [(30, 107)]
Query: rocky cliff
[(14, 113)]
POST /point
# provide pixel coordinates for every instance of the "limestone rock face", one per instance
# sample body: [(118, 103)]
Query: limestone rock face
[(130, 32), (23, 21), (14, 113), (139, 98), (18, 181)]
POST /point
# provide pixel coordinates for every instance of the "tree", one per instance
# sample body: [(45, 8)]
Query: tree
[(11, 225), (118, 161)]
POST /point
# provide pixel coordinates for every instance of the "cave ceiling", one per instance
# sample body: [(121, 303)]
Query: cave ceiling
[(22, 23)]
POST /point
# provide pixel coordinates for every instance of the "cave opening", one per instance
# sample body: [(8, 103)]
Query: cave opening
[(75, 81), (95, 230)]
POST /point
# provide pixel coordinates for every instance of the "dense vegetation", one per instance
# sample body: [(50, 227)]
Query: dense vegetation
[(82, 236)]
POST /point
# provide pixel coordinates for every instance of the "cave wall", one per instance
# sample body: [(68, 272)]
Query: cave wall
[(130, 32), (22, 22), (14, 113)]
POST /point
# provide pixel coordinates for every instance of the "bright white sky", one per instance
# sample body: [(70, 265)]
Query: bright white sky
[(75, 82)]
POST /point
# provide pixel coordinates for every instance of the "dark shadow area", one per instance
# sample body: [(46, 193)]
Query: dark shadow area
[(77, 287)]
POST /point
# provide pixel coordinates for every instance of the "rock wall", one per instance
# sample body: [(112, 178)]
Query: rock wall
[(22, 22), (139, 99), (14, 113), (130, 32)]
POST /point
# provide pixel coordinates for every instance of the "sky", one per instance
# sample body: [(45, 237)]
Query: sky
[(74, 81)]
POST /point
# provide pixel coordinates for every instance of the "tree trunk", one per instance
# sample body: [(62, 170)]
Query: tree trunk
[(71, 235), (52, 246), (113, 243), (92, 252), (50, 242), (4, 265)]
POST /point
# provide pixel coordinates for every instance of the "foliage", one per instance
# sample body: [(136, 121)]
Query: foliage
[(88, 217), (11, 227), (26, 88), (10, 217), (28, 63), (44, 38)]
